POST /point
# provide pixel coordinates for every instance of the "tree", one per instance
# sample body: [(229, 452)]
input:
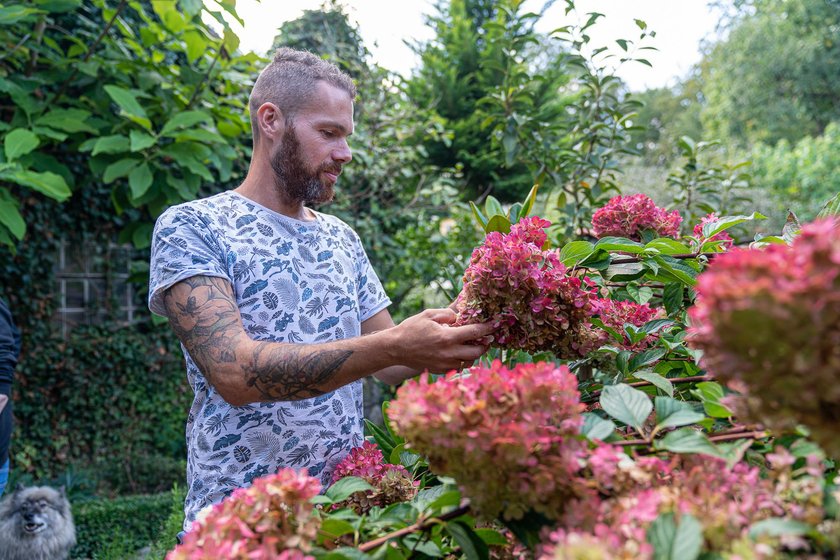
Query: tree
[(777, 75)]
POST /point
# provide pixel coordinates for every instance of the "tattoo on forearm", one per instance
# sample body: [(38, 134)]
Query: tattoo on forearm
[(291, 374), (207, 321)]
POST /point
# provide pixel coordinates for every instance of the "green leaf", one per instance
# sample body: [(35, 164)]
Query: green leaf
[(668, 246), (119, 169), (672, 541), (58, 6), (576, 251), (10, 216), (528, 203), (596, 428), (139, 180), (346, 487), (332, 528), (126, 101), (141, 140), (671, 413), (471, 544), (687, 440), (656, 380), (777, 527), (68, 120), (513, 213), (640, 294), (493, 207), (726, 222), (13, 14), (830, 208), (710, 394), (185, 120), (482, 221), (48, 183), (626, 404), (498, 223), (673, 297), (619, 244), (19, 142), (671, 267), (491, 537), (115, 144), (382, 438)]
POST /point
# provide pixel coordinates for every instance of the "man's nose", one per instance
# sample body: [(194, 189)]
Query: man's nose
[(343, 154)]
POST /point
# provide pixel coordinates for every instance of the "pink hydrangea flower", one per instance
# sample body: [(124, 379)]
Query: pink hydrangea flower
[(769, 320), (615, 314), (509, 436), (272, 518), (526, 292), (391, 483), (628, 216), (726, 242)]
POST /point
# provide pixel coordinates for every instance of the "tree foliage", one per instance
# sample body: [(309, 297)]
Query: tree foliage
[(777, 74), (143, 97)]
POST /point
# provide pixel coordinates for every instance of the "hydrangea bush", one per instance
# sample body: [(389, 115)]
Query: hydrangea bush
[(769, 321), (391, 483), (272, 518), (510, 437), (532, 299), (628, 216)]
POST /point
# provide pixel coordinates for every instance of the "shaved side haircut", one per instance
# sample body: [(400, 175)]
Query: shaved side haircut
[(290, 80)]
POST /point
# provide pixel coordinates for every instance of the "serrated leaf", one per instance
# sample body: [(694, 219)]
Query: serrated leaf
[(675, 541), (626, 404), (725, 222), (575, 252), (656, 380), (19, 142), (687, 440), (640, 294), (346, 487), (596, 428), (620, 244)]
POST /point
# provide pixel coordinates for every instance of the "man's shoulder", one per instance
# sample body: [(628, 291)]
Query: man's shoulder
[(337, 225)]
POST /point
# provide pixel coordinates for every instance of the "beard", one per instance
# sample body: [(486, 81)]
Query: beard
[(293, 179)]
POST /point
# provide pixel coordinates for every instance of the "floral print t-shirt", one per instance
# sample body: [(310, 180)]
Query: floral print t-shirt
[(295, 282)]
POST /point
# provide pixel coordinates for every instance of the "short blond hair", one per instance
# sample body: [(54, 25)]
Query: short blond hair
[(290, 80)]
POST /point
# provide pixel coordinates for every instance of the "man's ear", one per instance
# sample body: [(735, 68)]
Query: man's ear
[(270, 121)]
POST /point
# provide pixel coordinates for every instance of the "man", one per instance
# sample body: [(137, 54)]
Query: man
[(278, 310), (9, 350)]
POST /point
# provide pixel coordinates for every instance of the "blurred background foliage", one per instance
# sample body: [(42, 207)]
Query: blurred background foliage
[(113, 110)]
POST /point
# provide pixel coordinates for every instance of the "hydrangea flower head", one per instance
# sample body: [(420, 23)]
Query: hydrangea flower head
[(628, 216), (526, 292), (272, 518), (509, 436), (614, 314), (769, 320), (391, 483)]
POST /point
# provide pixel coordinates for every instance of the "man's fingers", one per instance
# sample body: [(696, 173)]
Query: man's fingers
[(472, 332), (444, 316)]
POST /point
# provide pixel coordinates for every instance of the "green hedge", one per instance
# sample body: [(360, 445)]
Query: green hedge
[(119, 527), (108, 404)]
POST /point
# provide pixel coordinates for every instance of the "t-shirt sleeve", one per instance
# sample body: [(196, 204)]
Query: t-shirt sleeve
[(371, 295), (182, 246)]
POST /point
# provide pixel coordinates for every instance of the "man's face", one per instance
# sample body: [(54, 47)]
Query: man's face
[(309, 157)]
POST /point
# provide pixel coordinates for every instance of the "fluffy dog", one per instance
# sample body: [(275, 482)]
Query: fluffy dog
[(36, 524)]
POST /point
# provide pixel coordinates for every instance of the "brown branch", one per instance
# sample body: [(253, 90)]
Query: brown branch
[(421, 525), (590, 397), (720, 437), (95, 44)]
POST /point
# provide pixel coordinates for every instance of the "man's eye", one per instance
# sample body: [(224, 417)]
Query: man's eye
[(328, 133)]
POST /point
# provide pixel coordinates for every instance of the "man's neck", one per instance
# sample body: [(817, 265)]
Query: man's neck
[(259, 185)]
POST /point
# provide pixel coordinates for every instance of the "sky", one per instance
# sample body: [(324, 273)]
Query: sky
[(385, 26)]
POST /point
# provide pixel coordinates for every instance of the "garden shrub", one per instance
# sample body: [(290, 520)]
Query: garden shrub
[(172, 525), (110, 402), (127, 523)]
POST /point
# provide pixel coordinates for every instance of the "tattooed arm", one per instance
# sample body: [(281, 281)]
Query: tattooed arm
[(203, 312)]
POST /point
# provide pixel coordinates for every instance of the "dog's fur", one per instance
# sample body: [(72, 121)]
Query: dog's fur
[(36, 524)]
